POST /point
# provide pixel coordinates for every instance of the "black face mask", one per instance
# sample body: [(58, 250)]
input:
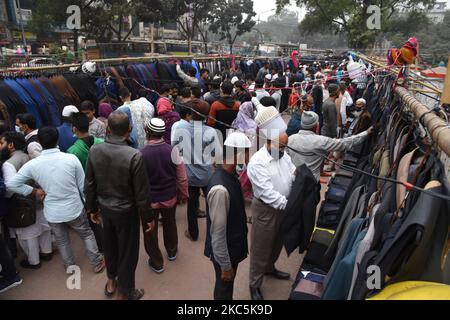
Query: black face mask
[(4, 154)]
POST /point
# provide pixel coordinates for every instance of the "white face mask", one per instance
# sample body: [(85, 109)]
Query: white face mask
[(18, 129)]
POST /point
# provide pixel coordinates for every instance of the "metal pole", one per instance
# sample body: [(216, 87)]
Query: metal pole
[(439, 129), (24, 38)]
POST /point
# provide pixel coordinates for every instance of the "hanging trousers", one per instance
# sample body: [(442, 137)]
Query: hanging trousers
[(121, 248), (192, 210), (266, 241), (223, 290), (170, 233)]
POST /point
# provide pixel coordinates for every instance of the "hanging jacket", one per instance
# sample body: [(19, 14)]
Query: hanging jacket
[(12, 101), (30, 104), (40, 102), (53, 107), (300, 213)]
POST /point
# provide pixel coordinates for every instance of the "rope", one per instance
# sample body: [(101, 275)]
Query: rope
[(407, 185)]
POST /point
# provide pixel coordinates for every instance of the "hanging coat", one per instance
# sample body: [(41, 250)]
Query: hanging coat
[(300, 213)]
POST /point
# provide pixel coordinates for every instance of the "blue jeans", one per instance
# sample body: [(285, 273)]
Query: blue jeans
[(81, 226)]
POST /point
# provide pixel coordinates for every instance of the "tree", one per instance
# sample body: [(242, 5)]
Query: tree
[(434, 39), (191, 16), (349, 16), (101, 19), (231, 19)]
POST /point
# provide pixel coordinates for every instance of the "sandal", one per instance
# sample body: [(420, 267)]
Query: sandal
[(107, 293), (136, 294)]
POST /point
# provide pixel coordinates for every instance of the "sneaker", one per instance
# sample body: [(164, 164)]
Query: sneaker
[(26, 265), (173, 258), (155, 269), (6, 284)]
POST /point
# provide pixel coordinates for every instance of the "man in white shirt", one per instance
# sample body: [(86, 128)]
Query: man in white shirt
[(260, 91), (35, 240), (61, 178), (277, 95), (26, 124), (139, 112), (271, 173), (346, 102)]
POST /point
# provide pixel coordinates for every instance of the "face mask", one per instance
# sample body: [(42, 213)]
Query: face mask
[(276, 154), (357, 114), (18, 129)]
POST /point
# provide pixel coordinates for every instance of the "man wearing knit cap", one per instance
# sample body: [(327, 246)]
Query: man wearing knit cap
[(330, 115), (271, 173), (168, 187), (362, 118), (306, 147), (226, 235)]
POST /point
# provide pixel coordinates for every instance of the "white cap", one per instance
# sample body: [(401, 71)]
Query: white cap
[(234, 80), (268, 77), (362, 101), (156, 125), (89, 67), (68, 110), (238, 140), (270, 122)]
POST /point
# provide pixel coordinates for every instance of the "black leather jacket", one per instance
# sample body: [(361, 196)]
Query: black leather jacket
[(116, 180)]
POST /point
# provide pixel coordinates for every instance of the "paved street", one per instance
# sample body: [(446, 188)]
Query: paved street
[(190, 277)]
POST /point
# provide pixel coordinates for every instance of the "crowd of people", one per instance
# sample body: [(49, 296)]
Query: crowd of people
[(195, 140)]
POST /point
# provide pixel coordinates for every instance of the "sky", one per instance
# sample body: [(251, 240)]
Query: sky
[(261, 6)]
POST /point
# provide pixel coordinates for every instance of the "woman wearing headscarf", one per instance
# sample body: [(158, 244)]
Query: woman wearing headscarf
[(245, 120)]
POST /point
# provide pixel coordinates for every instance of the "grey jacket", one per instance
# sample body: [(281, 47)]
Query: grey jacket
[(116, 179), (330, 119), (312, 147)]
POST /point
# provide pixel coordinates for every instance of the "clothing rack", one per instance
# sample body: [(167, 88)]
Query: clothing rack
[(439, 130), (394, 70), (119, 60)]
